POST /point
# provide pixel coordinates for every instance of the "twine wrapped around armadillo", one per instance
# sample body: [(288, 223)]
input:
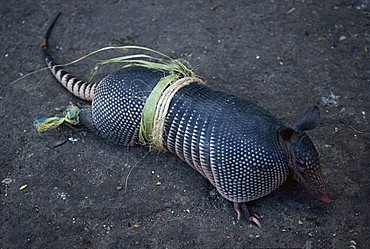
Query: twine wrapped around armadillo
[(162, 107)]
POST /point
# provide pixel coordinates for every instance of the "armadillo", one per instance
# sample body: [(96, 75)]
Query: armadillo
[(239, 147)]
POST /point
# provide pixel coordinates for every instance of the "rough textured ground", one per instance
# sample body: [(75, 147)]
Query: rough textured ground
[(284, 55)]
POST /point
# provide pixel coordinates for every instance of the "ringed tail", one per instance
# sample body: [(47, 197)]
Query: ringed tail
[(79, 88)]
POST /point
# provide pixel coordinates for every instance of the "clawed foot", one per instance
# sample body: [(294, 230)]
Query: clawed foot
[(241, 209)]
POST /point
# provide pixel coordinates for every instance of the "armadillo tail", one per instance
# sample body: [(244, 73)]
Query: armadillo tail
[(79, 88)]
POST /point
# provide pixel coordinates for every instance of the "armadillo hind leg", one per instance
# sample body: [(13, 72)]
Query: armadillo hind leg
[(86, 118), (242, 209)]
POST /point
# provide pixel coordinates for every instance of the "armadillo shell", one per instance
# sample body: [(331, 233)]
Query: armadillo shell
[(230, 141), (119, 101)]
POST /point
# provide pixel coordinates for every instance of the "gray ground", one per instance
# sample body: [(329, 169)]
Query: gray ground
[(284, 55)]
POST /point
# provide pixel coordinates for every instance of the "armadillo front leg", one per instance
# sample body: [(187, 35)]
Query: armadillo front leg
[(241, 209)]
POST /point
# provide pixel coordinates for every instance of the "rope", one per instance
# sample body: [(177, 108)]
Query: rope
[(147, 116), (161, 109), (71, 116)]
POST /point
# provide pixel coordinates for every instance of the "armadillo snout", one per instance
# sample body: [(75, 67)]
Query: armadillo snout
[(314, 181), (306, 167)]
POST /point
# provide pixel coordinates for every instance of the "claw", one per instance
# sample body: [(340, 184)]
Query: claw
[(238, 212), (254, 220), (242, 209)]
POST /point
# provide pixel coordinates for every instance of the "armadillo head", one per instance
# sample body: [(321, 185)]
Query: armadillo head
[(303, 157)]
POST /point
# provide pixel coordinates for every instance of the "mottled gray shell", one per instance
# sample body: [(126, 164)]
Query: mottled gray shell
[(230, 141)]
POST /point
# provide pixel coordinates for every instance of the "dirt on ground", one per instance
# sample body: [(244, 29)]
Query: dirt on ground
[(69, 188)]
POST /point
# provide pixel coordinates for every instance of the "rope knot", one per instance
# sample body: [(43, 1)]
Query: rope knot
[(72, 115)]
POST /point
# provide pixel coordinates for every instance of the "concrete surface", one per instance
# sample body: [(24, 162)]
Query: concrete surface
[(284, 55)]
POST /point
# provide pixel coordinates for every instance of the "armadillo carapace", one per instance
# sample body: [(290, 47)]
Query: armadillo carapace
[(239, 147)]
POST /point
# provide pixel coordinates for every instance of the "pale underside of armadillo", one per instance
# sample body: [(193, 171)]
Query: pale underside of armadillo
[(232, 142)]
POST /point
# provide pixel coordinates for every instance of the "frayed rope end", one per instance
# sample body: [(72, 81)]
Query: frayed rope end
[(71, 116)]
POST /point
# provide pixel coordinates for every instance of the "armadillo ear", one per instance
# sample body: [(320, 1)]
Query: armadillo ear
[(288, 134), (309, 120)]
